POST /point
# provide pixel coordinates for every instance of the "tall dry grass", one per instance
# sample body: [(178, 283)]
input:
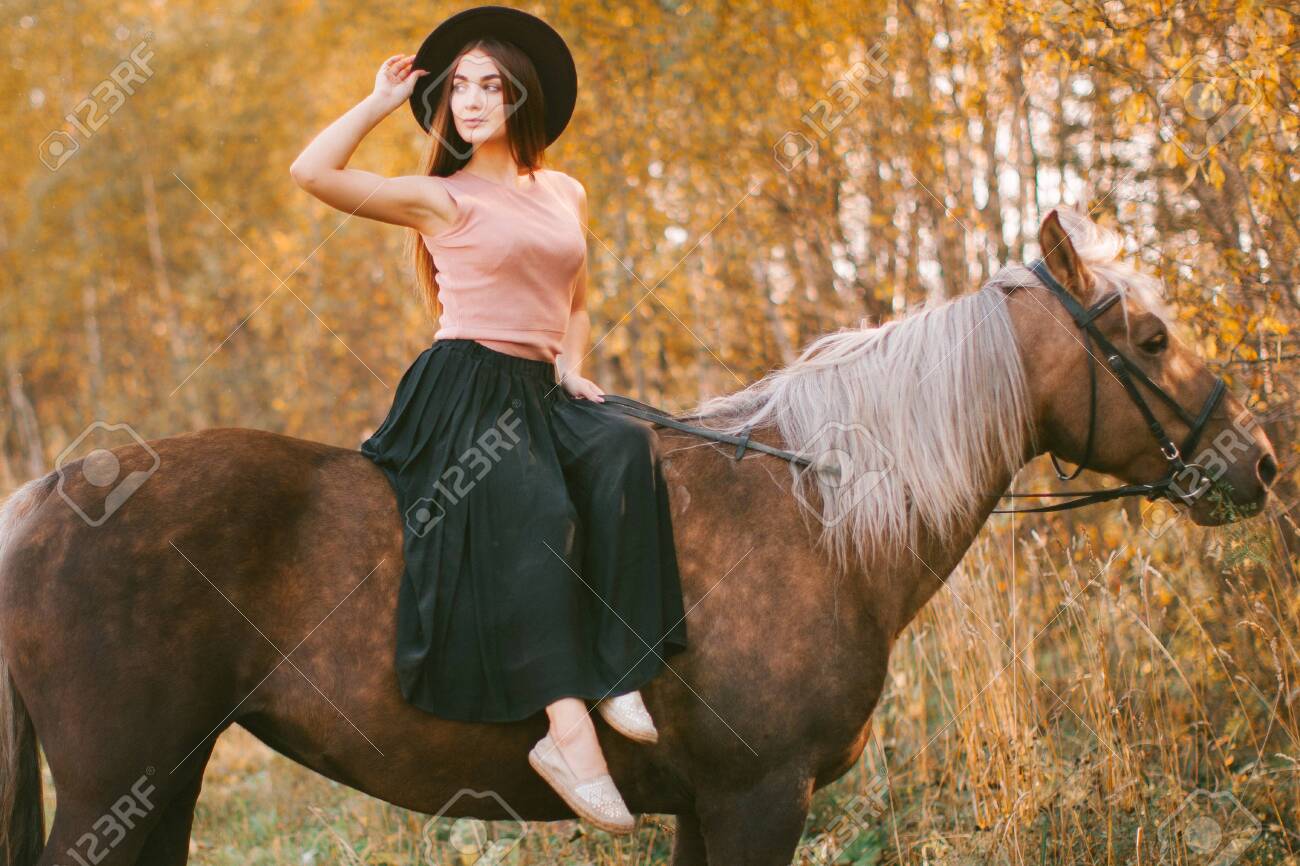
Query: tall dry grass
[(1065, 701)]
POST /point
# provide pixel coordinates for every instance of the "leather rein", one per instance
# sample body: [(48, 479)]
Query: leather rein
[(677, 422), (1124, 370)]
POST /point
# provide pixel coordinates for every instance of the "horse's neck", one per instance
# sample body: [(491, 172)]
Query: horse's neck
[(898, 587)]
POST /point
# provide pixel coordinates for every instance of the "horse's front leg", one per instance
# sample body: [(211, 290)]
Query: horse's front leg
[(688, 844), (758, 824)]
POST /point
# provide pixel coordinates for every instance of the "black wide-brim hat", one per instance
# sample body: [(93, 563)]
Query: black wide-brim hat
[(533, 36)]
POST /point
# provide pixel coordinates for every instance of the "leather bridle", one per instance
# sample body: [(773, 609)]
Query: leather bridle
[(1129, 376)]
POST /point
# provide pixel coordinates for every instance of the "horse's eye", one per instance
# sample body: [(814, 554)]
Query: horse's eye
[(1155, 344)]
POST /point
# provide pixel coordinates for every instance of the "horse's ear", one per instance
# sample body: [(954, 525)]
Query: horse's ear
[(1062, 259)]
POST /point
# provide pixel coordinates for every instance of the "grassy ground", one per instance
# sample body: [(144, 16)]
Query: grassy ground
[(1114, 694)]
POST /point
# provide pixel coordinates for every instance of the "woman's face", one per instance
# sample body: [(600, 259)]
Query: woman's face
[(478, 99)]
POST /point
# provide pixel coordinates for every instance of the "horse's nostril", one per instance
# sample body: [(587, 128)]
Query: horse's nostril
[(1267, 470)]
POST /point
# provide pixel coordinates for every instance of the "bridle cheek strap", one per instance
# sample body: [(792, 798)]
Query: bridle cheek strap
[(1129, 376)]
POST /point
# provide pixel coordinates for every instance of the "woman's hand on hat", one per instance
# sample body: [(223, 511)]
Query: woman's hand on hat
[(396, 79)]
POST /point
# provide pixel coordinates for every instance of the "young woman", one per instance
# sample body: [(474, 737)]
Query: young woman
[(539, 561)]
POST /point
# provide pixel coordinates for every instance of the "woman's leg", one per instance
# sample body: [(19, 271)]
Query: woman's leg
[(629, 565), (628, 569), (575, 735)]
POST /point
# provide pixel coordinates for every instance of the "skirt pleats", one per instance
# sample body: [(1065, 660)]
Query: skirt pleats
[(537, 535)]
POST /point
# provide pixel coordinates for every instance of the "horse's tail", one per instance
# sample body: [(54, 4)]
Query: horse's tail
[(22, 814)]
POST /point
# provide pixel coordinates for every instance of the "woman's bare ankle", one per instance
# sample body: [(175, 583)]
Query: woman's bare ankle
[(574, 734)]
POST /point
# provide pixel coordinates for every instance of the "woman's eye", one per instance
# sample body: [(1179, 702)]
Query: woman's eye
[(1156, 344)]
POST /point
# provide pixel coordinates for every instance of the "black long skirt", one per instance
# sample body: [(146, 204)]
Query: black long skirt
[(537, 537)]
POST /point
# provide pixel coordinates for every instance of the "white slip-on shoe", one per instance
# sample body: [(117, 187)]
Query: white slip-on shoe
[(596, 800), (627, 715)]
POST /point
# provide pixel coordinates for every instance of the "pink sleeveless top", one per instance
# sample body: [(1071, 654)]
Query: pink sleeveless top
[(508, 266)]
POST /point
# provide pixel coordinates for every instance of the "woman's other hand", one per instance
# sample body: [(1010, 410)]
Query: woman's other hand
[(581, 387)]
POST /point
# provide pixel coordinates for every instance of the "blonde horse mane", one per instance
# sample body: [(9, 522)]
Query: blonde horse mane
[(927, 413)]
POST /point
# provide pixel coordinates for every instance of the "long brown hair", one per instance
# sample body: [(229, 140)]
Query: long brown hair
[(525, 131)]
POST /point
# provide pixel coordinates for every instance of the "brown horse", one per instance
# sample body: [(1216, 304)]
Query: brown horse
[(251, 579)]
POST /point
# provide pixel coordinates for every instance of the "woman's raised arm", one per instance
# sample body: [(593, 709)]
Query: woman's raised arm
[(321, 169)]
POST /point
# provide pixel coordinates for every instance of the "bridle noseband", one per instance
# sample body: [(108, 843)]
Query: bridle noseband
[(1129, 375)]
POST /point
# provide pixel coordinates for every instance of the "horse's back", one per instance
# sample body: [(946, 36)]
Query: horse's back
[(229, 548)]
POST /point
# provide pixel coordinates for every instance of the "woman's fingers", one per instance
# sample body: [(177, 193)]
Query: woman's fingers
[(406, 67), (582, 387), (398, 62)]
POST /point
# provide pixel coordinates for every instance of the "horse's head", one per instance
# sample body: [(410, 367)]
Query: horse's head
[(1232, 462)]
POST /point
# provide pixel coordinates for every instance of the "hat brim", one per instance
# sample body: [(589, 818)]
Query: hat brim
[(544, 46)]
